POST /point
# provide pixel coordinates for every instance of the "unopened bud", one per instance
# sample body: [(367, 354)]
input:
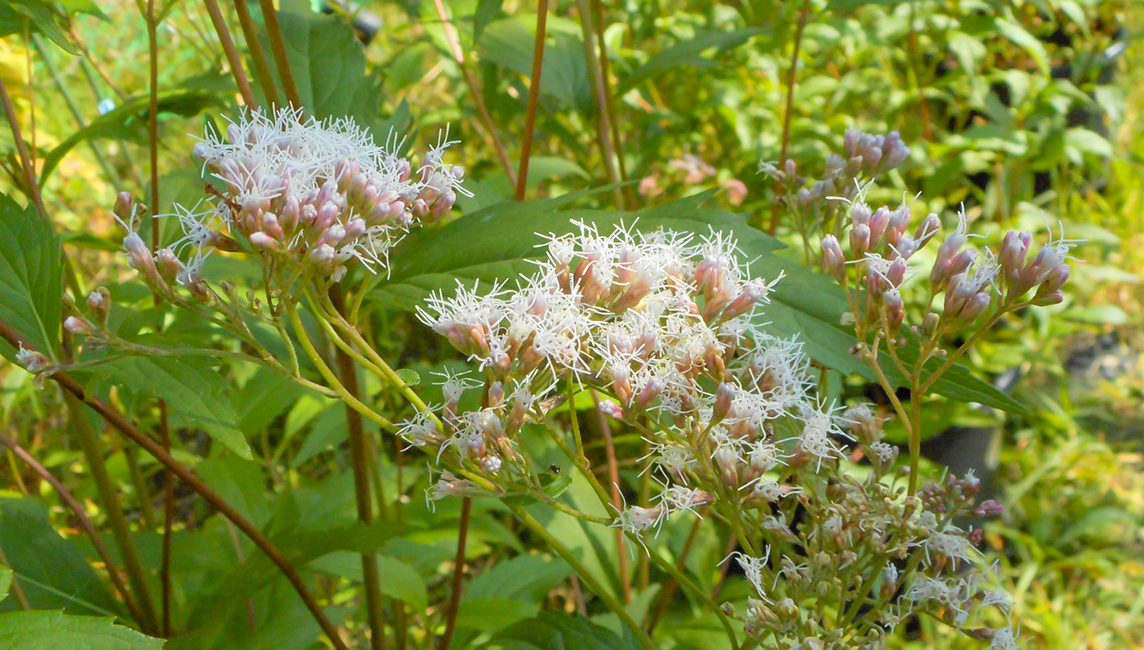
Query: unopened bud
[(1052, 284), (724, 396), (860, 240), (491, 464), (99, 302), (612, 409), (263, 241), (77, 325), (123, 206), (833, 260)]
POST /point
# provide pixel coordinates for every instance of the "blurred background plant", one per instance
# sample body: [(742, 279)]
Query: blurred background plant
[(1025, 113)]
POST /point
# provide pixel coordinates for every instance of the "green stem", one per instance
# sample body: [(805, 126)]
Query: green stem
[(93, 454), (609, 599), (328, 375)]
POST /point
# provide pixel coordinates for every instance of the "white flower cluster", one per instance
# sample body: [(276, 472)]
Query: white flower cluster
[(666, 324), (318, 193)]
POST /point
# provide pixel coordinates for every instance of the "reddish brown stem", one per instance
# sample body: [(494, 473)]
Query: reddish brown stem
[(458, 573), (278, 49), (261, 69), (164, 429), (81, 518), (475, 91), (359, 460), (124, 426), (232, 58), (533, 98), (617, 501), (803, 14)]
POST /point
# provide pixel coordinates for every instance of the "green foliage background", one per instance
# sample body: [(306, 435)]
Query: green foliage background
[(1027, 113)]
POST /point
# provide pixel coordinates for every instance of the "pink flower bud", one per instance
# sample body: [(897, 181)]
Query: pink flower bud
[(860, 215), (860, 240), (975, 307), (895, 310), (326, 216), (322, 257), (168, 264), (927, 229), (1053, 283), (308, 214), (99, 302), (123, 206), (724, 396), (833, 260), (271, 226), (263, 241), (612, 409), (879, 221), (333, 235), (1014, 248), (77, 325)]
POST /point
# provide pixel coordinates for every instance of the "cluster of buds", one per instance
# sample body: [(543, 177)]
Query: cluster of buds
[(865, 156), (874, 155), (314, 194), (1047, 272), (881, 248), (968, 278)]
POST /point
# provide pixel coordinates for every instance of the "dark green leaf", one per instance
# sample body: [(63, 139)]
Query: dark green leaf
[(688, 53), (553, 631), (41, 630), (14, 12), (328, 67), (192, 389), (491, 614), (30, 276), (564, 74), (51, 570)]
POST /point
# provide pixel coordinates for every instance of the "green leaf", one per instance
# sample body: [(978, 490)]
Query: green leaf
[(401, 581), (12, 19), (264, 397), (192, 389), (491, 614), (524, 577), (31, 277), (850, 5), (410, 377), (241, 483), (398, 579), (487, 11), (42, 630), (1024, 40), (689, 53), (5, 581), (51, 570), (501, 239), (127, 120), (554, 630), (564, 74), (328, 67)]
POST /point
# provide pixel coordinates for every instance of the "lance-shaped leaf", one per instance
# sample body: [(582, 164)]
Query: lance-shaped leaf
[(47, 630), (30, 276), (192, 389)]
